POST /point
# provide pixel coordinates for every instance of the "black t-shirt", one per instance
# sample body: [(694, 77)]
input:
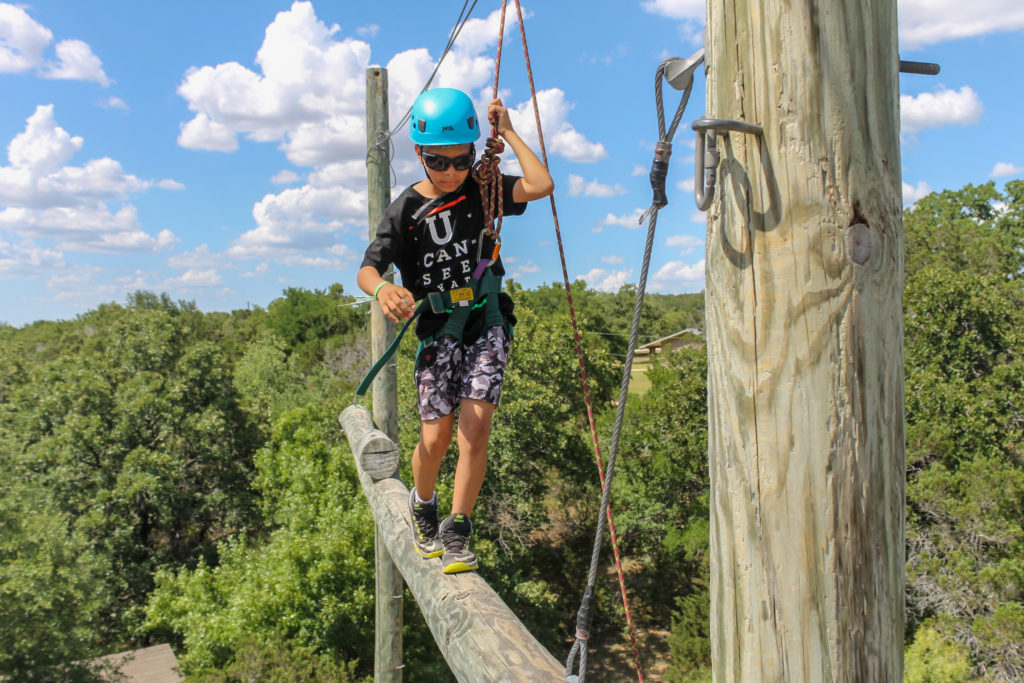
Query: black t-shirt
[(435, 242)]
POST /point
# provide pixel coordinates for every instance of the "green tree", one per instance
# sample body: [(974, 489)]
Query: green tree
[(135, 429), (306, 586), (305, 320), (51, 590), (965, 424), (934, 659)]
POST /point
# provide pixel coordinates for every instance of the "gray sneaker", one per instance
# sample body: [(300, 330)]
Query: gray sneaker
[(424, 526), (455, 534)]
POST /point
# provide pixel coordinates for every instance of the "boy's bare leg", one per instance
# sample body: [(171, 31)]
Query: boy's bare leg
[(435, 435), (474, 433)]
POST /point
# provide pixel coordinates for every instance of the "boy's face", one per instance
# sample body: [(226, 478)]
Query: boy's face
[(436, 157)]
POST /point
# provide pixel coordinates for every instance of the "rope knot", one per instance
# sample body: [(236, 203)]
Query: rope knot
[(488, 175), (486, 168)]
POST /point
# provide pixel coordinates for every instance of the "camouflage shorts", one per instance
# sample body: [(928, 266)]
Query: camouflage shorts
[(447, 373)]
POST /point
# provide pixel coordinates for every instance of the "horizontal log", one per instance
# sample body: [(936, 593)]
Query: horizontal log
[(478, 635), (374, 452)]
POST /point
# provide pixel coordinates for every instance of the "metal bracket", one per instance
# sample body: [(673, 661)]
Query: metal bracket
[(704, 187), (923, 68)]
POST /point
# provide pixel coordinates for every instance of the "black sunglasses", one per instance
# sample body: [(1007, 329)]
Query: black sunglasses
[(436, 162)]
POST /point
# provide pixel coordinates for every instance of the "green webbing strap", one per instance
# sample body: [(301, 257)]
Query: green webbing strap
[(489, 283), (364, 386)]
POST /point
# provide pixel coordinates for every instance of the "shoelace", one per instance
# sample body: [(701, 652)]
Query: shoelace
[(426, 528), (453, 540)]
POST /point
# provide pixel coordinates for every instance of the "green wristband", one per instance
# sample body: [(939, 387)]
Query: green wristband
[(385, 282)]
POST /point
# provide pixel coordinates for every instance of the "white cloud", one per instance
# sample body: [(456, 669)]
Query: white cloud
[(166, 238), (522, 269), (368, 31), (926, 22), (943, 107), (640, 170), (75, 61), (23, 41), (1005, 168), (347, 173), (114, 103), (560, 136), (43, 198), (676, 9), (612, 260), (630, 220), (686, 185), (912, 193), (578, 185), (285, 177), (691, 31), (168, 184), (196, 278), (676, 277), (25, 260), (204, 133), (606, 280), (310, 85), (686, 243), (306, 93), (199, 258), (301, 219)]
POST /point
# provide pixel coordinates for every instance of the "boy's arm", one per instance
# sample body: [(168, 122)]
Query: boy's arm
[(396, 301), (536, 182)]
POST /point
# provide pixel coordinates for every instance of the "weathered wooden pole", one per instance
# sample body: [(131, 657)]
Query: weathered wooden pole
[(479, 636), (805, 343), (389, 590)]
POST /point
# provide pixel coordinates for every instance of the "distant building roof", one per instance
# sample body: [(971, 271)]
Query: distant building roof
[(658, 343), (155, 664)]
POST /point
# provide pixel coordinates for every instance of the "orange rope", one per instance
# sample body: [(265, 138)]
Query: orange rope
[(579, 345)]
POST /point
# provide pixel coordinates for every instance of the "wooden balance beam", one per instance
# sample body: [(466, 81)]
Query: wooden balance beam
[(478, 635)]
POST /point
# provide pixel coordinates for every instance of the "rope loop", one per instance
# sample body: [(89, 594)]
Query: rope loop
[(488, 175)]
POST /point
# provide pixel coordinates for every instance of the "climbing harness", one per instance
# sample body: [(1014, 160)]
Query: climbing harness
[(457, 304), (679, 75)]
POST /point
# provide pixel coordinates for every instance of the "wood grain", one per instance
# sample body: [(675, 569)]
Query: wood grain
[(804, 326)]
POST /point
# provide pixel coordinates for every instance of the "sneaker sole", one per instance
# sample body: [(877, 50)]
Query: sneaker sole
[(457, 567), (428, 556)]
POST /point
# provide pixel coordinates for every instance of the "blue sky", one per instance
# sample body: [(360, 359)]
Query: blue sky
[(215, 150)]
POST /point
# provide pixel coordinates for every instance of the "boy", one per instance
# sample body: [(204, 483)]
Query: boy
[(433, 233)]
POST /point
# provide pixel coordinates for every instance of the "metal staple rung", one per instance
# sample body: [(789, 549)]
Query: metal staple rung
[(721, 125), (706, 173)]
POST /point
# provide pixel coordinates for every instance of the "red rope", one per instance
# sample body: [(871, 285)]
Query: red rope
[(486, 170), (579, 345)]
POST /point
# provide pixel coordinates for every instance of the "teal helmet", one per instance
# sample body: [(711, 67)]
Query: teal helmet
[(443, 116)]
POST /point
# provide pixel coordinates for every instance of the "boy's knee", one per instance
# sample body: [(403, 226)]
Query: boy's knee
[(435, 446)]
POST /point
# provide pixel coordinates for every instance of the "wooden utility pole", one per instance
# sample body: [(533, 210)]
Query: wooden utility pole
[(805, 343), (390, 589)]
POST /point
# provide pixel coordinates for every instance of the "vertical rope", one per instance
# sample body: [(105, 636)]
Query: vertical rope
[(583, 369), (486, 170)]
